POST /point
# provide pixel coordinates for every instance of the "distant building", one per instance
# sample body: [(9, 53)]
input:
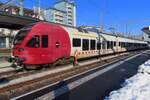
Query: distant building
[(6, 37), (147, 35), (63, 12)]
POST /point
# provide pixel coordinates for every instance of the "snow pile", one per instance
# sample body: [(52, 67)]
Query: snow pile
[(136, 87)]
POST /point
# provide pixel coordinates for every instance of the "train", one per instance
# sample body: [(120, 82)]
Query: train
[(44, 43)]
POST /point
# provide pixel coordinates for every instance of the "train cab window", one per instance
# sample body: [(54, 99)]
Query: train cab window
[(34, 42), (76, 42), (85, 44), (44, 41), (21, 36), (92, 44)]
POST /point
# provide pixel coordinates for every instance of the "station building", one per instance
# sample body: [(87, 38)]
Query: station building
[(7, 35)]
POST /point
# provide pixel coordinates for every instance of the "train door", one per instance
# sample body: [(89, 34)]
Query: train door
[(45, 48), (55, 44), (33, 46), (60, 46)]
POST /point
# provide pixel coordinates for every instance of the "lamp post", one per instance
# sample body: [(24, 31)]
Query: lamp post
[(21, 12)]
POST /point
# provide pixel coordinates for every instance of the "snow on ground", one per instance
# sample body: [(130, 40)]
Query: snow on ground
[(136, 87)]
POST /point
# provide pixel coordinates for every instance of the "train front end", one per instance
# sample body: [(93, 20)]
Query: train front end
[(19, 52)]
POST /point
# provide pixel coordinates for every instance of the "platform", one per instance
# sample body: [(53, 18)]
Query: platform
[(92, 85)]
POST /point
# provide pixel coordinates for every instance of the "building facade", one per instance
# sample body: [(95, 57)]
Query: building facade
[(63, 12), (6, 37)]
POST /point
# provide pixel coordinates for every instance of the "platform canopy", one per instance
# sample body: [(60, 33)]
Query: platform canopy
[(146, 30), (10, 21)]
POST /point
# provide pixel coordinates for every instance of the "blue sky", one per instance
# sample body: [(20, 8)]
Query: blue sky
[(109, 13)]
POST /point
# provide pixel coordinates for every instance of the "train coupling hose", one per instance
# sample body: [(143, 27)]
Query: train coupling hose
[(15, 59)]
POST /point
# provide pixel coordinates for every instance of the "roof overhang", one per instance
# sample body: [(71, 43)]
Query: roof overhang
[(14, 21)]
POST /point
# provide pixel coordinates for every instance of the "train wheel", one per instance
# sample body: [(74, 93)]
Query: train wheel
[(57, 62)]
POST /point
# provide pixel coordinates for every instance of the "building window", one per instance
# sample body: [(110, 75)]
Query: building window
[(44, 41), (85, 44), (70, 16), (76, 42), (70, 12), (70, 23), (92, 44)]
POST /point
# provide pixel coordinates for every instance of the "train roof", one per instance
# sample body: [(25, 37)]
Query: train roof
[(82, 30)]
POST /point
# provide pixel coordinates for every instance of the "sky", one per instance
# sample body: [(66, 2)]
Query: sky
[(123, 15)]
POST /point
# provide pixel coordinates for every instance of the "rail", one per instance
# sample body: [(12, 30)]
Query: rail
[(22, 87)]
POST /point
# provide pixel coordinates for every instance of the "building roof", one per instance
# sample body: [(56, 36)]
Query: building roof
[(146, 30), (67, 1)]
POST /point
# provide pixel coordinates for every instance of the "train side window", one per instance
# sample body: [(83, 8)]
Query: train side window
[(114, 44), (76, 42), (120, 44), (85, 45), (111, 44), (104, 45), (34, 42), (92, 44), (44, 41), (98, 46), (108, 45)]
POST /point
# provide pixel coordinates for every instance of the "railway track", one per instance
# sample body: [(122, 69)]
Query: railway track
[(23, 87), (14, 74)]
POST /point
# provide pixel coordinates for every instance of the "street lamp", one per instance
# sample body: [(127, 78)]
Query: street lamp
[(21, 12)]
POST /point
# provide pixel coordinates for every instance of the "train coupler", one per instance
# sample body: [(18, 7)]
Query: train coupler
[(16, 62)]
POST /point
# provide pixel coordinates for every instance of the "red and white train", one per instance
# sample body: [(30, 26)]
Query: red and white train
[(45, 43)]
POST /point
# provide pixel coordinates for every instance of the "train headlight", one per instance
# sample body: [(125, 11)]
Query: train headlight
[(21, 49)]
